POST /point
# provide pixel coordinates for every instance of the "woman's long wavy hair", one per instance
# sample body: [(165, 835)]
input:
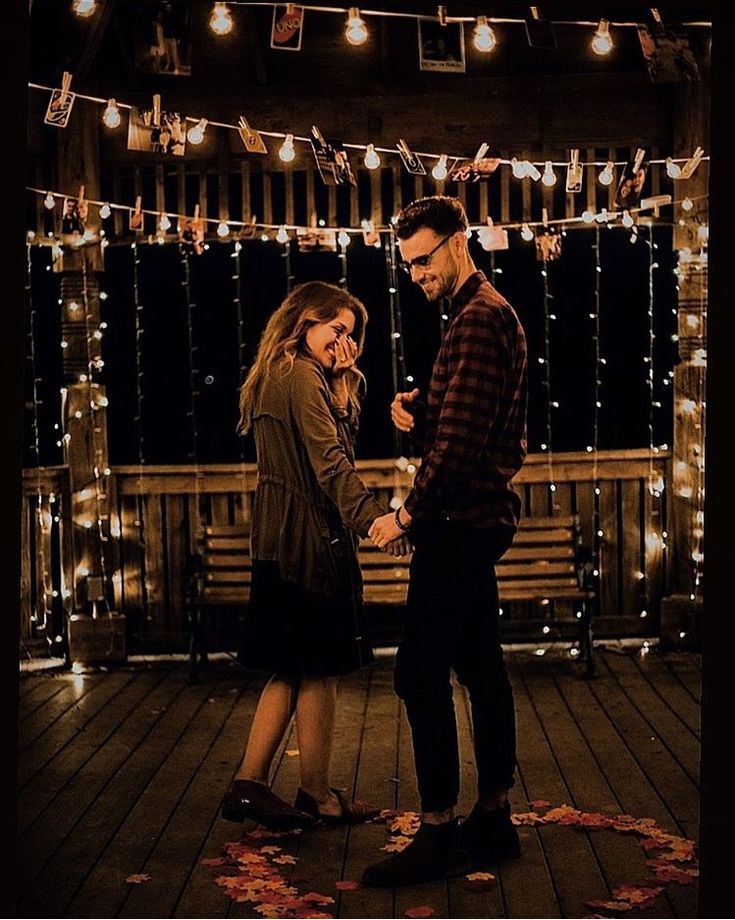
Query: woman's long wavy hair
[(284, 337)]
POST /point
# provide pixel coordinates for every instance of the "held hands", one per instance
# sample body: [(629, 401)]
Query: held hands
[(400, 410), (399, 547), (345, 355), (385, 532)]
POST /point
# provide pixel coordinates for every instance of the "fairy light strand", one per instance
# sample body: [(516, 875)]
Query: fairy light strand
[(597, 534), (546, 383), (194, 372), (44, 522)]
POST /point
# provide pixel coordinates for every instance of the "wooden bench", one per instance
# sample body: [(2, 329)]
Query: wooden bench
[(546, 563)]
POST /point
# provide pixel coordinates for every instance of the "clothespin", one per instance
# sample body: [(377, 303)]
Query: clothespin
[(687, 170), (481, 151), (319, 138), (654, 202), (251, 138), (157, 109), (412, 163), (638, 159), (534, 12), (65, 85), (138, 205), (441, 12), (656, 16)]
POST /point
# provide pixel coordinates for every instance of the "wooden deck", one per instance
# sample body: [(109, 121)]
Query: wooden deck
[(122, 772)]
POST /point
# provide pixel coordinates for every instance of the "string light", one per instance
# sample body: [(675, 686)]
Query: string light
[(220, 22), (287, 152), (49, 201), (356, 31), (372, 159), (84, 8), (484, 38), (282, 235), (546, 382), (223, 229), (607, 174), (518, 168), (344, 239), (602, 42), (687, 204), (195, 134), (111, 116), (549, 176), (164, 223), (527, 233), (673, 170), (439, 172), (626, 220)]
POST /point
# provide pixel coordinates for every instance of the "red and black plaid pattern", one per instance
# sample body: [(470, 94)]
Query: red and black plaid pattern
[(475, 436)]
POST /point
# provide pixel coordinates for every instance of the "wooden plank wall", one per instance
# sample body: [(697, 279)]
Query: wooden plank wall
[(157, 511), (296, 195)]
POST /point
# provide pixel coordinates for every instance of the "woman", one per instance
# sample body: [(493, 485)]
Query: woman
[(305, 620)]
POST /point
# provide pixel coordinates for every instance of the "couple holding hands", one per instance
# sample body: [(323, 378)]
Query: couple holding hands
[(305, 623)]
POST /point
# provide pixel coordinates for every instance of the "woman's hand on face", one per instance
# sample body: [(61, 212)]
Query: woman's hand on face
[(345, 354)]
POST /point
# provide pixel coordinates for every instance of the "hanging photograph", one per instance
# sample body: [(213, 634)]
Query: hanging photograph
[(331, 160), (59, 108), (191, 237), (493, 238), (548, 245), (475, 170), (316, 239), (630, 187), (441, 47), (668, 55), (540, 32), (163, 38), (168, 137), (287, 28), (74, 216)]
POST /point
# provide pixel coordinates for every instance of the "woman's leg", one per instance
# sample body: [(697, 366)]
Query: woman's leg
[(275, 709), (315, 726)]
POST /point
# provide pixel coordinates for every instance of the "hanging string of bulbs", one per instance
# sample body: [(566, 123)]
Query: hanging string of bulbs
[(484, 37)]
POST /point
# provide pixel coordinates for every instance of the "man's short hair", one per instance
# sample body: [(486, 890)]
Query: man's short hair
[(440, 213)]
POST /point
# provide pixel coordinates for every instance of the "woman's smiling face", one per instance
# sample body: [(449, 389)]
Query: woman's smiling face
[(322, 338)]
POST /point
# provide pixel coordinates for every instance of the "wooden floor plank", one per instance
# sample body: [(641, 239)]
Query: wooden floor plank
[(178, 848), (75, 859), (686, 669), (617, 855), (662, 769), (73, 795), (672, 692), (94, 696), (678, 738), (35, 690), (65, 766)]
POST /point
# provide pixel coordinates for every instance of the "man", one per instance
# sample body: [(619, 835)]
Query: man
[(462, 514)]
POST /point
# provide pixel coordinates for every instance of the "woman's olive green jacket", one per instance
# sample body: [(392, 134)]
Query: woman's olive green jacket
[(309, 503)]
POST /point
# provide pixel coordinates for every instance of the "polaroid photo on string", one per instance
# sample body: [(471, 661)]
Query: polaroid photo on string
[(135, 217), (492, 238), (475, 170), (632, 179), (165, 135), (191, 236), (668, 54), (60, 104), (287, 27), (548, 245), (331, 160), (73, 216), (441, 48), (574, 173)]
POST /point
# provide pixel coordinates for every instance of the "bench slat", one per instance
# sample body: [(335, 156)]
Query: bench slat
[(524, 537), (230, 595), (228, 544), (541, 568), (227, 578)]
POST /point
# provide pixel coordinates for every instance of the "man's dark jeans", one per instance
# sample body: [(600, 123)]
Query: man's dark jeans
[(452, 624)]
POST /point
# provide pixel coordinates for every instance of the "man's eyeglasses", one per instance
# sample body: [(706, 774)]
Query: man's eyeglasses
[(422, 261)]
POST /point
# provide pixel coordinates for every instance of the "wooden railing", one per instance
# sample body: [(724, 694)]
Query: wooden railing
[(157, 510)]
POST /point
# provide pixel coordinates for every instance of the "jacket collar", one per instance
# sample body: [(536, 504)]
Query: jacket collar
[(466, 292)]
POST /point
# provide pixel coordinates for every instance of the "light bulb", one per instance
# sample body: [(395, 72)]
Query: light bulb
[(222, 229), (519, 168), (484, 38), (344, 238), (220, 22), (84, 8), (356, 31), (439, 172), (549, 176), (164, 223), (195, 134), (627, 220), (602, 42), (673, 170), (526, 233), (588, 217), (105, 211), (687, 204), (49, 201), (287, 153), (606, 174), (372, 159), (111, 116), (282, 235)]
